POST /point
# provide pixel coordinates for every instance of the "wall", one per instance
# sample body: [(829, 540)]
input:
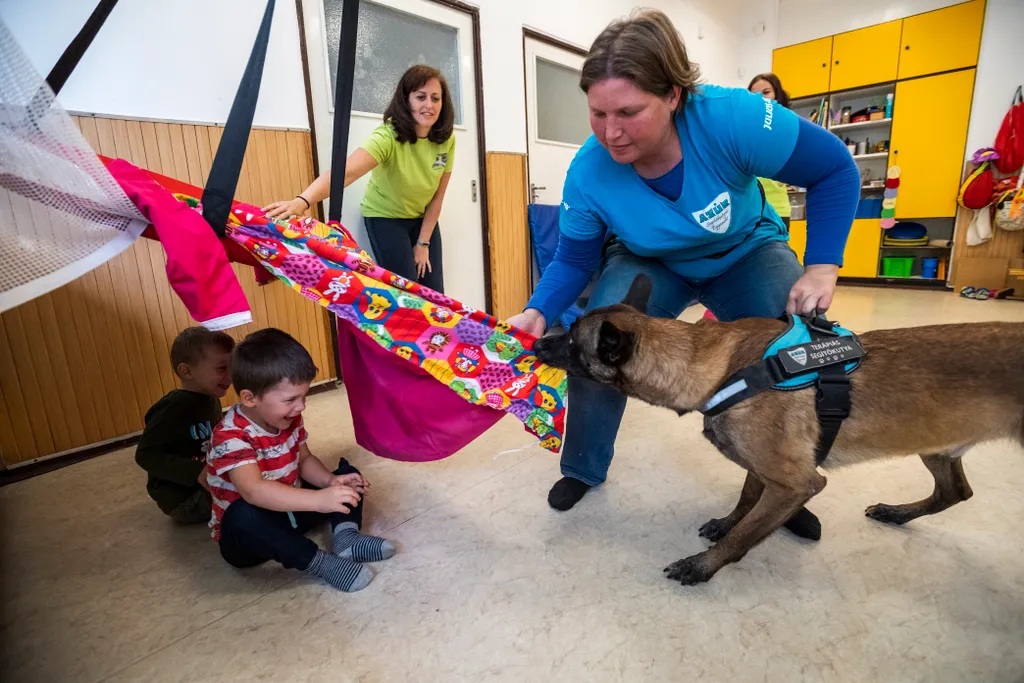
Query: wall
[(167, 59), (1000, 70), (801, 20), (706, 35)]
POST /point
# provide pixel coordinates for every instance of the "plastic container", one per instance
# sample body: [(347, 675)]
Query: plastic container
[(888, 105), (929, 267), (897, 266), (869, 207)]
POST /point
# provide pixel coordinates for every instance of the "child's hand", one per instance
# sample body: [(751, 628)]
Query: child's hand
[(336, 499), (354, 481)]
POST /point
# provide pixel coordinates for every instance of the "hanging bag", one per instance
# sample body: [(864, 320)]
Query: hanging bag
[(1010, 209), (1010, 138)]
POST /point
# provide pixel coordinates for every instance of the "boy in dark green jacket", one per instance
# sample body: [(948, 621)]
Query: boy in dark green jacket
[(178, 426)]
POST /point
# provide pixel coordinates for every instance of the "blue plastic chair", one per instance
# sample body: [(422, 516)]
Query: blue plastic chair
[(543, 219)]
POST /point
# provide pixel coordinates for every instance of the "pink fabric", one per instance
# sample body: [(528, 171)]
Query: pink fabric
[(399, 410), (197, 266)]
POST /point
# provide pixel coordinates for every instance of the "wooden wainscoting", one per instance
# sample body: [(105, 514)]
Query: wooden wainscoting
[(82, 364), (509, 232)]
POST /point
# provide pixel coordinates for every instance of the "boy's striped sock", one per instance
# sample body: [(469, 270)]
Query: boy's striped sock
[(341, 573), (350, 544)]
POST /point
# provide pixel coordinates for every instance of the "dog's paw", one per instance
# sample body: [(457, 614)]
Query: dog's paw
[(890, 514), (690, 570), (715, 529)]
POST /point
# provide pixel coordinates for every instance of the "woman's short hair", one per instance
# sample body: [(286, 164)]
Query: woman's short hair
[(644, 48)]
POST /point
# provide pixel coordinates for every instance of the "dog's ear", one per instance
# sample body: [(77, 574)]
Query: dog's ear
[(614, 346), (639, 293)]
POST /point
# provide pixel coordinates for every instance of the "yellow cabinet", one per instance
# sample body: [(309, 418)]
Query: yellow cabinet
[(942, 40), (865, 57), (929, 132), (798, 238), (861, 256), (804, 68)]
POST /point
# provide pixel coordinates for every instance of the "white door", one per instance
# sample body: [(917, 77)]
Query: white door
[(558, 121), (394, 35)]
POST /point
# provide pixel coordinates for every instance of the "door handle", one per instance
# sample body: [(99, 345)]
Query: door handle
[(472, 186), (533, 192)]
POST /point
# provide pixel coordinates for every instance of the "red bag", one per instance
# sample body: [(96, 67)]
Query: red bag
[(976, 191), (1010, 138)]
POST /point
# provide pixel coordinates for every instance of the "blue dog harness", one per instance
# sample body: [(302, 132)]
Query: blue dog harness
[(811, 352)]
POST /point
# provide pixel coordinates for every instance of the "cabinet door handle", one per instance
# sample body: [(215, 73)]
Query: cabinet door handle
[(837, 61), (906, 47), (824, 65)]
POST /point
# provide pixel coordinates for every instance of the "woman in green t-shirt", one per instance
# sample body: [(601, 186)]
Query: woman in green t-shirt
[(769, 86), (410, 159)]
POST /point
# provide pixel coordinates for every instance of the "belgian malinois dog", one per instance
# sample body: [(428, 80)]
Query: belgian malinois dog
[(929, 391)]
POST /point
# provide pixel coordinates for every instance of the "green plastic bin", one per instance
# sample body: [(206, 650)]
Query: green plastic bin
[(897, 266)]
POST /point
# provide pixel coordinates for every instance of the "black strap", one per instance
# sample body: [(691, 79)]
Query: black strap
[(833, 406), (832, 402), (61, 71), (227, 162), (343, 103), (749, 381)]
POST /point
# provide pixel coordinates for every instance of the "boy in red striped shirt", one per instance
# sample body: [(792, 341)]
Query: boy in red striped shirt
[(268, 489)]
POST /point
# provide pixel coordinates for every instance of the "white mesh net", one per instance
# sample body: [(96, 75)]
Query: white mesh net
[(61, 213)]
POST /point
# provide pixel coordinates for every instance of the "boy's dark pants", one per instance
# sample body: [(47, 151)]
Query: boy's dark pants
[(251, 535), (195, 508)]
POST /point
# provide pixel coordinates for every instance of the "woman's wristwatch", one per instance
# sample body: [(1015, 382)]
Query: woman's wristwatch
[(421, 243)]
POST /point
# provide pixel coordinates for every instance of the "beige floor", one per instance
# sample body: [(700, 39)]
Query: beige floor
[(492, 585)]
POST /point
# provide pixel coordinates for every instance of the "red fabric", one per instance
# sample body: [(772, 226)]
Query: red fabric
[(235, 253), (237, 441), (197, 267), (1010, 138), (391, 412)]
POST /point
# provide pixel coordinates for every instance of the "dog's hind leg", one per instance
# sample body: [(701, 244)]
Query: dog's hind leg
[(951, 487), (716, 529)]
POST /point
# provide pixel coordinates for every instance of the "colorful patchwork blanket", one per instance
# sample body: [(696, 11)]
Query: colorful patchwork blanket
[(483, 360)]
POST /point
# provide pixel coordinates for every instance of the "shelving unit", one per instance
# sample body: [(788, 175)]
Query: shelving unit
[(930, 76), (860, 125)]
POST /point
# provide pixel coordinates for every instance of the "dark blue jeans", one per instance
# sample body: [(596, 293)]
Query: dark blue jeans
[(251, 535), (393, 241), (756, 287)]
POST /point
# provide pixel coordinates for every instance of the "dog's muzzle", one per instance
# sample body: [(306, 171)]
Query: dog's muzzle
[(553, 350)]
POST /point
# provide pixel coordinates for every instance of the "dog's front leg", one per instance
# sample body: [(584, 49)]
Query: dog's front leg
[(716, 529), (777, 503)]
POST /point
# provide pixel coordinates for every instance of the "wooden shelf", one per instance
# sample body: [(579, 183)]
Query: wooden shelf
[(861, 124), (873, 155), (928, 248)]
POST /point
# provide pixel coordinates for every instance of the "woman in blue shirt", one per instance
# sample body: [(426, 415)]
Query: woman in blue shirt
[(667, 186)]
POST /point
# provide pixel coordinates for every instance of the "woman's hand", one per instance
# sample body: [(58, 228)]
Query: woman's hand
[(287, 209), (530, 321), (421, 255), (813, 292)]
